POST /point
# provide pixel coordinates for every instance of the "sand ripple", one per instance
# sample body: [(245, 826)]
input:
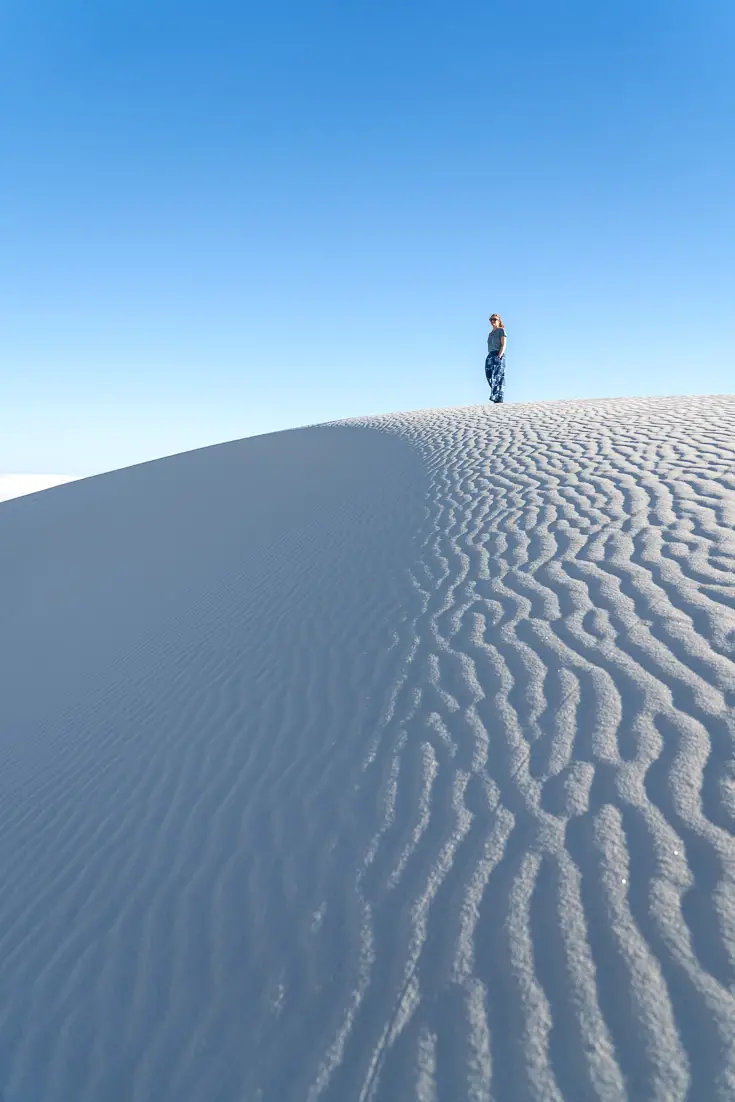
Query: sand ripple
[(379, 761)]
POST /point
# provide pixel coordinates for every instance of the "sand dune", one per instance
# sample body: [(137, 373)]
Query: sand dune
[(16, 485), (382, 760)]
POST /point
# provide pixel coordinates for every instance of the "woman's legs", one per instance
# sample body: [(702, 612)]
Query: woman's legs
[(496, 392), (489, 369), (495, 375)]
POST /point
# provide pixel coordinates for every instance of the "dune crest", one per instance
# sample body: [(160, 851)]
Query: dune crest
[(17, 485)]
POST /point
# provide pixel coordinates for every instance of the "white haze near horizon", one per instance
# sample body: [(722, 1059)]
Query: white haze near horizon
[(382, 760), (18, 485)]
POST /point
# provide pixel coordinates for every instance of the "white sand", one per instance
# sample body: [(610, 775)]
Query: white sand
[(17, 485), (383, 760)]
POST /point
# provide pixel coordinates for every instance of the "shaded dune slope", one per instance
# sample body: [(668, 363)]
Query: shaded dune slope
[(381, 760)]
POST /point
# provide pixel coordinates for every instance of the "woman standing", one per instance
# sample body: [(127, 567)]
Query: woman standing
[(495, 362)]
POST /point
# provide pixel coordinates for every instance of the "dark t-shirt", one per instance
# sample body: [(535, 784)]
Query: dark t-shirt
[(494, 338)]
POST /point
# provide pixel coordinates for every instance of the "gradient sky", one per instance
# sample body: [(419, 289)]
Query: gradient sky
[(225, 218)]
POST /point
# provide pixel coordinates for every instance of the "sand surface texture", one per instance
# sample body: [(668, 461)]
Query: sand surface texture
[(383, 760)]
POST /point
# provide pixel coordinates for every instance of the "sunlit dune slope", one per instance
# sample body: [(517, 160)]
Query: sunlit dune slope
[(382, 760)]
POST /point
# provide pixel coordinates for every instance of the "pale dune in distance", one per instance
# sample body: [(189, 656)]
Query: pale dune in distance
[(384, 760), (17, 485)]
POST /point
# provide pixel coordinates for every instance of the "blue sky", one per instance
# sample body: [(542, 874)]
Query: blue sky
[(226, 218)]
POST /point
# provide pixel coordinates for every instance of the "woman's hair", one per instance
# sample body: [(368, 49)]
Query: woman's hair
[(500, 320)]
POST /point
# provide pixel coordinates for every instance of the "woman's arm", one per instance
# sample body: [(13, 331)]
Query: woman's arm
[(502, 345)]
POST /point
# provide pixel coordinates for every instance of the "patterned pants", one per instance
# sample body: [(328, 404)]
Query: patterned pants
[(495, 375)]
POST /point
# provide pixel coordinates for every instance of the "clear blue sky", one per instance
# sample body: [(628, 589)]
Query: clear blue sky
[(224, 218)]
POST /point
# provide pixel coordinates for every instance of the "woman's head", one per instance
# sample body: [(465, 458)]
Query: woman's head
[(496, 322)]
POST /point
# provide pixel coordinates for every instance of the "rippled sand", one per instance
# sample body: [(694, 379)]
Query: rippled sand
[(382, 760)]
